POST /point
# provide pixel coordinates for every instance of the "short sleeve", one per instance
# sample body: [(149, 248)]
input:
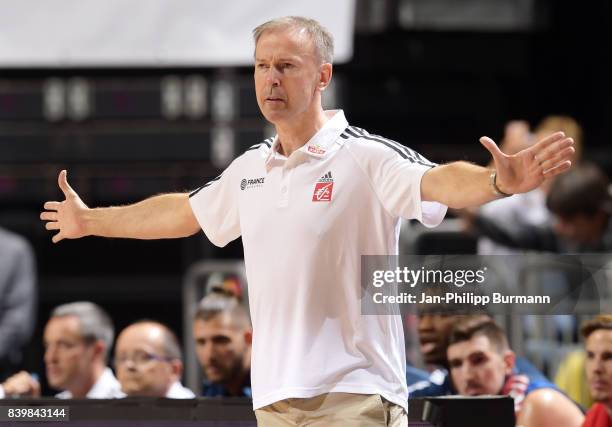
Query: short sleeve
[(395, 172), (215, 206)]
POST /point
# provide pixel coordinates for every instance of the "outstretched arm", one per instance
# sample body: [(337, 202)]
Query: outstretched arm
[(160, 217), (462, 184)]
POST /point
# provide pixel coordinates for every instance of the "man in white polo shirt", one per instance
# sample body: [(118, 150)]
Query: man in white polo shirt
[(308, 203)]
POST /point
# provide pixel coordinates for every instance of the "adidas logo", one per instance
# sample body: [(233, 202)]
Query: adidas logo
[(326, 178)]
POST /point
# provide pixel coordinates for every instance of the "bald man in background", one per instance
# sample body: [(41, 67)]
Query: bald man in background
[(148, 362)]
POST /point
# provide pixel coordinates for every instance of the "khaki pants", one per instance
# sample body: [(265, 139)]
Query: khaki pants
[(333, 410)]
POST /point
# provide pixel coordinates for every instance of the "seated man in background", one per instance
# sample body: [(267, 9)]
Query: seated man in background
[(148, 361), (435, 325), (18, 299), (433, 329), (582, 205), (77, 339), (598, 342), (481, 363), (223, 335)]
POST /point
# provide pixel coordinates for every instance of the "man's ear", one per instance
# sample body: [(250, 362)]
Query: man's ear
[(177, 368), (248, 336), (509, 361), (99, 347), (326, 72)]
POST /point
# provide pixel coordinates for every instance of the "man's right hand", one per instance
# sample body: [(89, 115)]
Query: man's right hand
[(21, 384), (68, 216)]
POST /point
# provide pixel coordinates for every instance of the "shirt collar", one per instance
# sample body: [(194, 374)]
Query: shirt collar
[(178, 391), (106, 387), (321, 143)]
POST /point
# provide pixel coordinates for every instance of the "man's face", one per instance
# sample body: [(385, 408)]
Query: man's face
[(222, 347), (69, 359), (477, 368), (599, 365), (142, 367), (287, 75), (434, 330)]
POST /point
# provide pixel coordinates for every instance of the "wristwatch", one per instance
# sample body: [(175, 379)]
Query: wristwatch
[(494, 186)]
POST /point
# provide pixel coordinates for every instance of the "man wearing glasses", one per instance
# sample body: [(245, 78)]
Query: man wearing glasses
[(148, 362)]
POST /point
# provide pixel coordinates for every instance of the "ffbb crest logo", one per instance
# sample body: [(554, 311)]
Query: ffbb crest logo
[(323, 189)]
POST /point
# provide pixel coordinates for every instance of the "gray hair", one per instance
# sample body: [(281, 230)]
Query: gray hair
[(321, 37), (94, 323), (217, 303)]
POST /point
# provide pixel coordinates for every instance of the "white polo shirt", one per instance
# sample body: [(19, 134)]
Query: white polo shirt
[(179, 391), (305, 221), (106, 387)]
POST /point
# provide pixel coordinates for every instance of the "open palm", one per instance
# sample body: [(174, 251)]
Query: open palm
[(527, 169), (68, 216)]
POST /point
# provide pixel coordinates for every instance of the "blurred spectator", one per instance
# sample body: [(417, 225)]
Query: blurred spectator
[(526, 209), (434, 334), (148, 360), (77, 339), (223, 335), (227, 284), (581, 202), (598, 336), (17, 299), (434, 331), (481, 363)]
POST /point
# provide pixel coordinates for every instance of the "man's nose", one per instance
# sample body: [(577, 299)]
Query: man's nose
[(207, 353), (50, 355), (598, 366), (425, 323), (470, 372), (129, 365), (274, 76), (470, 375)]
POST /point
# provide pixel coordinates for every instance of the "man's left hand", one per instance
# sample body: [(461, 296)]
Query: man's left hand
[(527, 169)]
